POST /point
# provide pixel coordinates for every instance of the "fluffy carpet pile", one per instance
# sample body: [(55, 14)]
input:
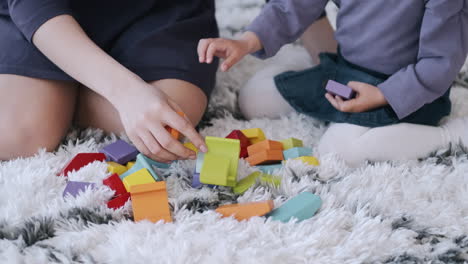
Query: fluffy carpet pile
[(407, 212)]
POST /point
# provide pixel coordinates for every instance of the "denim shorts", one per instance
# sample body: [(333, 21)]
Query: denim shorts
[(305, 92)]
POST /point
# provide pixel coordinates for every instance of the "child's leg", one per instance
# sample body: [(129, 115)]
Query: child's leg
[(95, 111), (34, 113), (319, 37), (356, 144)]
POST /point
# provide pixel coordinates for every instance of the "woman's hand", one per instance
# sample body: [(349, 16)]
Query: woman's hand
[(368, 97), (145, 112), (232, 51)]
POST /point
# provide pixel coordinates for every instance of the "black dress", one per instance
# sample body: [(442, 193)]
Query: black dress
[(156, 39)]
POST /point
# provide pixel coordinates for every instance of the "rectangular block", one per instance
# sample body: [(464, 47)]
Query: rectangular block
[(312, 161), (174, 133), (265, 157), (81, 160), (199, 164), (246, 210), (73, 188), (244, 184), (291, 143), (270, 180), (120, 152), (339, 89), (140, 177), (215, 170), (115, 184), (144, 162), (264, 145), (297, 152), (191, 146), (301, 207), (196, 181), (269, 168), (254, 135), (114, 167), (130, 164), (237, 134), (118, 201), (150, 202)]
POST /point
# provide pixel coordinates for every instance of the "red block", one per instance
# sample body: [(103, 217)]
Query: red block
[(244, 142), (119, 201), (116, 184), (81, 160)]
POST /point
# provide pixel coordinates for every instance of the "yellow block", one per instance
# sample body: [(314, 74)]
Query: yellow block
[(313, 161), (254, 135), (114, 167), (130, 164), (191, 146), (139, 177)]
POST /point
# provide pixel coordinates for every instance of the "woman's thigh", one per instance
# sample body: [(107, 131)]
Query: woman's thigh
[(96, 111), (34, 113)]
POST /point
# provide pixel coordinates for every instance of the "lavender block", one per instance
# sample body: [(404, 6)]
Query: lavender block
[(196, 181), (340, 90), (120, 152), (74, 188)]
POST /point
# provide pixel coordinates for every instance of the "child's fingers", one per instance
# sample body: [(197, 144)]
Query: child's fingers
[(332, 100), (202, 47), (212, 49), (229, 62)]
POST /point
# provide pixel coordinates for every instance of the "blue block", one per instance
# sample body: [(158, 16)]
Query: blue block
[(144, 162), (196, 181), (268, 169), (297, 152), (301, 207), (200, 159)]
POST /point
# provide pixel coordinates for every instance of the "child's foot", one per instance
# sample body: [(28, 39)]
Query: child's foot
[(457, 130)]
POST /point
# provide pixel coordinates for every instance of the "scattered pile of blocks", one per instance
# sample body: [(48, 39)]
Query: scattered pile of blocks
[(133, 175)]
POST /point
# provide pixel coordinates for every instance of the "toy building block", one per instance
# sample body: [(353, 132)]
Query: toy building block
[(313, 161), (130, 164), (270, 180), (191, 146), (244, 142), (291, 143), (220, 162), (150, 202), (339, 89), (140, 177), (118, 201), (270, 168), (114, 167), (301, 207), (120, 152), (246, 210), (254, 135), (116, 184), (147, 163), (243, 185), (265, 157), (264, 145), (297, 152), (199, 164), (196, 181), (174, 133), (74, 188), (81, 160)]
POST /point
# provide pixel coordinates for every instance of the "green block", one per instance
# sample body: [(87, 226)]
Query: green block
[(228, 149), (301, 207), (143, 162), (291, 143), (215, 170), (243, 185), (268, 179)]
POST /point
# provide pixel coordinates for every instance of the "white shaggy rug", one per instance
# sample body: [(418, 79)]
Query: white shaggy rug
[(409, 212)]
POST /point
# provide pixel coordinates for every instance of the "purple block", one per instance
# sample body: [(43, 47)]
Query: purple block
[(196, 181), (73, 188), (340, 90), (120, 152)]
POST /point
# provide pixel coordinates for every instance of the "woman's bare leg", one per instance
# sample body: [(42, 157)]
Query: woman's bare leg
[(34, 113)]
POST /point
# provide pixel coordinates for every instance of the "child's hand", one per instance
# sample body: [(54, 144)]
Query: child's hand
[(368, 97), (230, 50)]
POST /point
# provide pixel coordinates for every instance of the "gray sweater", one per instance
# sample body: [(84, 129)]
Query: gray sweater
[(422, 44)]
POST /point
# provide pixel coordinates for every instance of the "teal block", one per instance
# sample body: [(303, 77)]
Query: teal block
[(144, 162), (297, 152), (268, 169), (301, 207), (200, 159)]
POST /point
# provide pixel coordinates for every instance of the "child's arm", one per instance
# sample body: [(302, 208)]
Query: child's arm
[(280, 22), (144, 109)]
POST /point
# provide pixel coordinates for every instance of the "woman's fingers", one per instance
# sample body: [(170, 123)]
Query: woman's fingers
[(186, 128), (143, 149)]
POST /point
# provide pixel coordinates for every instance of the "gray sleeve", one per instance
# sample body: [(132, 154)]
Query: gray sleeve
[(443, 47), (29, 15), (284, 21)]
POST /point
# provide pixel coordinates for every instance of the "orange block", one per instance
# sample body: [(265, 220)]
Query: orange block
[(174, 133), (265, 157), (150, 202), (247, 210), (264, 145)]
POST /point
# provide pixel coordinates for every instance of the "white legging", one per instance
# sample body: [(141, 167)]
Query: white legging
[(354, 144)]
